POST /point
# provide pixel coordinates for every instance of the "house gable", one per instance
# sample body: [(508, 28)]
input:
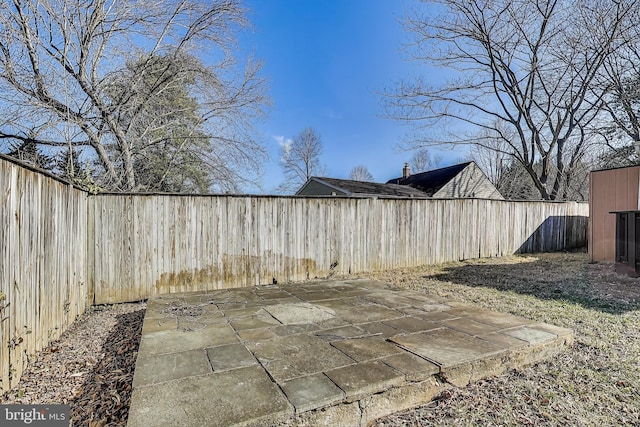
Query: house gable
[(431, 181), (469, 182), (464, 180)]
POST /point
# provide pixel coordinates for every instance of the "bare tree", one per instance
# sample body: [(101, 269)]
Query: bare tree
[(622, 78), (360, 173), (512, 179), (529, 66), (66, 79), (300, 159), (422, 161), (493, 158)]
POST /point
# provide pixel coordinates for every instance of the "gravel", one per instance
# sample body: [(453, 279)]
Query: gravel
[(595, 383)]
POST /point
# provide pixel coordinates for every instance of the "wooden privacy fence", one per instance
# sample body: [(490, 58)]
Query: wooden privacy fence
[(63, 249), (43, 264), (146, 245)]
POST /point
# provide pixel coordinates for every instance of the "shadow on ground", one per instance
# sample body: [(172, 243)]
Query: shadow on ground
[(106, 395), (559, 277)]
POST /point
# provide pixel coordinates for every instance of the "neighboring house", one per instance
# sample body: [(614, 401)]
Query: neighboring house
[(320, 186), (465, 180)]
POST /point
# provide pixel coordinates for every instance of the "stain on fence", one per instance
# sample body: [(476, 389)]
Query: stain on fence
[(245, 270)]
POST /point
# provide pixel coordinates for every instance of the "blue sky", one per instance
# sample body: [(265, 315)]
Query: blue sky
[(327, 62)]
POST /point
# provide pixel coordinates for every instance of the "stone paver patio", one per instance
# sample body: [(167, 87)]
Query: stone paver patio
[(330, 353)]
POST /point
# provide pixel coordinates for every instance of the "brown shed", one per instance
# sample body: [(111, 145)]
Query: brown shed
[(610, 190)]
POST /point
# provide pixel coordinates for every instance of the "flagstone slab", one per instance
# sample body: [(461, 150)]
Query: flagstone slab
[(216, 399), (312, 392), (447, 347), (530, 335), (412, 324), (435, 316), (363, 379), (159, 368), (391, 299), (340, 333), (368, 313), (413, 367), (159, 324), (299, 313), (253, 322), (258, 334), (329, 294), (563, 333), (379, 329), (173, 341), (494, 318), (286, 330), (364, 349), (503, 340), (298, 355), (369, 284), (343, 304), (237, 313), (232, 356), (470, 326)]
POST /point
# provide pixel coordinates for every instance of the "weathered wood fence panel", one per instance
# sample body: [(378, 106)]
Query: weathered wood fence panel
[(43, 265), (145, 245)]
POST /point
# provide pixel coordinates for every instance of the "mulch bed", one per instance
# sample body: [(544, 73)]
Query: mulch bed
[(89, 368), (597, 382)]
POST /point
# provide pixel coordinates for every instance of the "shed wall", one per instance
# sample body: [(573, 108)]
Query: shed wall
[(610, 190)]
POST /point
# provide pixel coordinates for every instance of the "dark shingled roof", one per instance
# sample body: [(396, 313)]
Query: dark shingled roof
[(371, 188), (431, 181)]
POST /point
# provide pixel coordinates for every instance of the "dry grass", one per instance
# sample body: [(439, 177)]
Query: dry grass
[(595, 383)]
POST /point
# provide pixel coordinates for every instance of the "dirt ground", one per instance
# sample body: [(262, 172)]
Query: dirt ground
[(595, 383)]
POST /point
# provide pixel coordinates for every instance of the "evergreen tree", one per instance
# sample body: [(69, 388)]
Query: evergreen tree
[(28, 151)]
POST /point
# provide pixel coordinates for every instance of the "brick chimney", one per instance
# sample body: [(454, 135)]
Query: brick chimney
[(406, 171)]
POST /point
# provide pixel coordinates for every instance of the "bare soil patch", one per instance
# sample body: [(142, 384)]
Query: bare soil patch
[(595, 383)]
